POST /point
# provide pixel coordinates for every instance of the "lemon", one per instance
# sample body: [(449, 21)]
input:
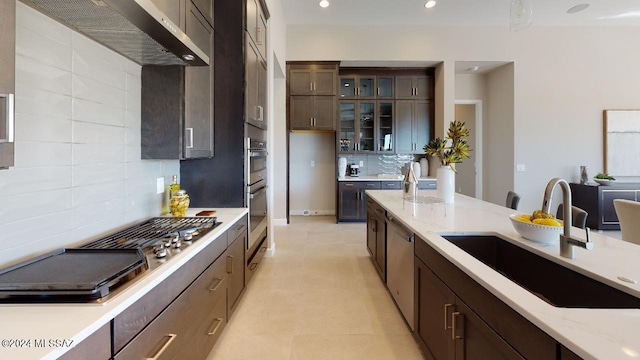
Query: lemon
[(523, 218), (548, 222)]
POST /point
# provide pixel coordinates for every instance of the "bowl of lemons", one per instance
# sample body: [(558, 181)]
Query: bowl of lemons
[(539, 227)]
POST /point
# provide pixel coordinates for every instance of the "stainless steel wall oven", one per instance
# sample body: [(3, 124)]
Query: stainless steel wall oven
[(256, 190)]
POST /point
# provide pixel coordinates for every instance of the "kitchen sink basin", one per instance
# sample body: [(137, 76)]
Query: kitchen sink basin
[(553, 283)]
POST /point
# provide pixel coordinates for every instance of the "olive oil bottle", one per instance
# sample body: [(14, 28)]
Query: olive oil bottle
[(174, 185)]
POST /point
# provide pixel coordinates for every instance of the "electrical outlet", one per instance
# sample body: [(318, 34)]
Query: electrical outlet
[(313, 163), (520, 167), (361, 163), (160, 185)]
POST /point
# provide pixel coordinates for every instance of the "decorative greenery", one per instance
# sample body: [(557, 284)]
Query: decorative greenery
[(458, 148), (604, 176)]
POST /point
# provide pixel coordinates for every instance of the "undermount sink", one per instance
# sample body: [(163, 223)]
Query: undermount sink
[(551, 282)]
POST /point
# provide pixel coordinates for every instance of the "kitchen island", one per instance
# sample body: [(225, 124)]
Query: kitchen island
[(47, 331), (588, 333)]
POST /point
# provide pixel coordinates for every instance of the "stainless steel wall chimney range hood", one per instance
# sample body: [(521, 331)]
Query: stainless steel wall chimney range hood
[(136, 29)]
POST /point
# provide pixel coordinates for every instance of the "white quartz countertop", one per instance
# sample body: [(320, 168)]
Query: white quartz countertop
[(29, 322), (378, 178), (590, 333)]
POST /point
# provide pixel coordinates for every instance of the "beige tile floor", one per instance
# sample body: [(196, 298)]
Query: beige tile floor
[(317, 296)]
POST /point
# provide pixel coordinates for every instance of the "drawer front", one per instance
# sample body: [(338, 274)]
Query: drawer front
[(96, 346), (132, 320), (426, 185), (346, 185), (212, 285), (370, 185), (236, 230), (390, 185), (208, 328)]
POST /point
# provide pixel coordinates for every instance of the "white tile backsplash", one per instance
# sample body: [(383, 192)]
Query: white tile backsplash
[(78, 172)]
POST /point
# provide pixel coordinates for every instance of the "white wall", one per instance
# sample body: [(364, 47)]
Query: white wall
[(77, 169), (312, 187), (563, 78)]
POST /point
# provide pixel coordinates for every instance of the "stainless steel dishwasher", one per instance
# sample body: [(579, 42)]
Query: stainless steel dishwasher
[(400, 252)]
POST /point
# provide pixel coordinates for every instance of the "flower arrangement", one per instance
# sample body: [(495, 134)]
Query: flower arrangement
[(457, 149)]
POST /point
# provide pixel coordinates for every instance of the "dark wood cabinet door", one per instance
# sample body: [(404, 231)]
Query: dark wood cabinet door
[(404, 126), (422, 125), (325, 82), (381, 247), (300, 82), (235, 271), (301, 112), (252, 19), (404, 87), (423, 87), (349, 200), (371, 233), (324, 112), (474, 339), (434, 305), (174, 9)]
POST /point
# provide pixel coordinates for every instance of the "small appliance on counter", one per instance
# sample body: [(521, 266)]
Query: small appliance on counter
[(354, 170)]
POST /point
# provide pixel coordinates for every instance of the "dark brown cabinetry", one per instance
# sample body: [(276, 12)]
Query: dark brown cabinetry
[(413, 125), (96, 346), (312, 112), (457, 318), (597, 201), (178, 101), (236, 265), (376, 237), (414, 87), (7, 81), (366, 126), (184, 316), (256, 25), (358, 87), (256, 87), (352, 200), (311, 100)]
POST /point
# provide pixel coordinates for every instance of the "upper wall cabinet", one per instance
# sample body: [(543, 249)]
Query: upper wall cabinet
[(256, 87), (7, 81), (177, 101), (178, 12), (313, 79), (257, 15), (414, 87), (366, 87), (312, 100)]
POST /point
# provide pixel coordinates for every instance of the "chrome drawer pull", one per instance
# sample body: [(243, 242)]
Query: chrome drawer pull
[(164, 347), (215, 287), (215, 328)]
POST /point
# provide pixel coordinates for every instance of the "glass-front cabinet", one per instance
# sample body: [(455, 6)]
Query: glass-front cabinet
[(366, 87), (366, 126)]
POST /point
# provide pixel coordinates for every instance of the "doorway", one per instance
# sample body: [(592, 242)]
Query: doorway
[(469, 172)]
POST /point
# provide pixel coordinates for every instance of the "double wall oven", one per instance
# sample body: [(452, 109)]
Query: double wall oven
[(256, 192)]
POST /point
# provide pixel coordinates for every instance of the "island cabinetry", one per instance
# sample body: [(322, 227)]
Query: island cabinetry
[(457, 318), (352, 200), (376, 237), (597, 201)]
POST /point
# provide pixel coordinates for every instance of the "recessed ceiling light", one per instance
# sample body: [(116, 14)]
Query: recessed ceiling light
[(577, 8), (429, 4), (474, 68), (324, 3)]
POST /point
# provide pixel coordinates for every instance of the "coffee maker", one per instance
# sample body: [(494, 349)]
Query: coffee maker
[(354, 170)]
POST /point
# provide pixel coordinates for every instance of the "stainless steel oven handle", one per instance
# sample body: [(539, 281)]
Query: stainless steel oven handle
[(258, 153), (257, 192)]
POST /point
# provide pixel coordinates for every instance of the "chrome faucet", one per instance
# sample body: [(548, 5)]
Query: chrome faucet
[(566, 241)]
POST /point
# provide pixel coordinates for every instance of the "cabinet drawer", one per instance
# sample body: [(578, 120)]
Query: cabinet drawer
[(391, 185), (236, 230), (369, 185), (426, 185), (212, 284), (132, 320), (96, 346)]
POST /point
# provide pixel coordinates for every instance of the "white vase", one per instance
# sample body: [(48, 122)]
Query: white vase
[(424, 167), (446, 184), (416, 169), (342, 167)]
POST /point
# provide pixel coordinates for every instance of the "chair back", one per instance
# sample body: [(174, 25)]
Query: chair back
[(629, 215), (512, 200), (578, 216)]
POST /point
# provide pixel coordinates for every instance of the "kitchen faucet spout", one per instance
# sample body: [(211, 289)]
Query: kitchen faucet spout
[(566, 241)]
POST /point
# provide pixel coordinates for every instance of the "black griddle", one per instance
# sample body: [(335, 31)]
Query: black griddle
[(84, 273)]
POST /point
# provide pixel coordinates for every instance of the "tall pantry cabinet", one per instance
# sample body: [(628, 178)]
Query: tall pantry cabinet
[(256, 63)]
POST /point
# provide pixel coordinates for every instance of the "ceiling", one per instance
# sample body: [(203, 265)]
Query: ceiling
[(458, 12)]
